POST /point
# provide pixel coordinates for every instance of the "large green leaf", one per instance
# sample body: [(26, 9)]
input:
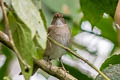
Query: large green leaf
[(112, 71), (93, 9), (30, 15), (22, 38), (114, 59)]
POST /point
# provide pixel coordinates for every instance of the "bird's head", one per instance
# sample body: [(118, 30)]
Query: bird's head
[(58, 19)]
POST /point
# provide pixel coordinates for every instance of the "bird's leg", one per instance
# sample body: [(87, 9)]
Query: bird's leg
[(47, 58), (60, 59), (49, 61)]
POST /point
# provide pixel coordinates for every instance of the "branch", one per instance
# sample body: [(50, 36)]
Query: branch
[(78, 56), (53, 70), (5, 40), (7, 30), (50, 69)]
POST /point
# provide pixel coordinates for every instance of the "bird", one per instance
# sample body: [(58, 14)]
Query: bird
[(60, 32)]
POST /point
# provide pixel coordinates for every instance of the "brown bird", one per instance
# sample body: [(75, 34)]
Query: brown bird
[(60, 32)]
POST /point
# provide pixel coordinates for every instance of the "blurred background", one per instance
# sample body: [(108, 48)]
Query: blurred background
[(94, 36)]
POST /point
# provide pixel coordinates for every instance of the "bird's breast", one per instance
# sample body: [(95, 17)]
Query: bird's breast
[(61, 35)]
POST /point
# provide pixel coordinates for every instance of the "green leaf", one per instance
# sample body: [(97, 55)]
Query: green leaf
[(2, 26), (37, 3), (106, 26), (36, 38), (43, 18), (22, 38), (40, 51), (93, 9), (112, 71), (114, 59), (8, 53), (75, 29), (30, 15)]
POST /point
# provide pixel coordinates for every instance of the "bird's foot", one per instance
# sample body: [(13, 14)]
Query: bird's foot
[(50, 64), (63, 68)]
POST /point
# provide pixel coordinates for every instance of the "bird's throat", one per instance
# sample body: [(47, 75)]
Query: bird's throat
[(59, 22)]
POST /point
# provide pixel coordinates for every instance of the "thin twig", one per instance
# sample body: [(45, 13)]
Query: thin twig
[(8, 32), (78, 56)]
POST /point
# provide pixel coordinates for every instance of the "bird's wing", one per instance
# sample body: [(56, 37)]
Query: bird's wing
[(51, 28)]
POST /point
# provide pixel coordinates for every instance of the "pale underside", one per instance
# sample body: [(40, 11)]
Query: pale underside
[(62, 35)]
